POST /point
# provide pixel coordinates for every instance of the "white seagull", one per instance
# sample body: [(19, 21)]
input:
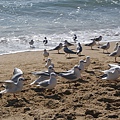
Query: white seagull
[(48, 63), (87, 61), (17, 70), (42, 75), (45, 54), (12, 87), (115, 53), (50, 83), (116, 46), (81, 66), (112, 74), (73, 75)]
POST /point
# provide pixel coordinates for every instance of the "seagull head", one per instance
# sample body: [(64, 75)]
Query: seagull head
[(51, 69), (53, 75)]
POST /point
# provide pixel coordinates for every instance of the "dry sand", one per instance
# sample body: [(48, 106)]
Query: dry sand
[(89, 99)]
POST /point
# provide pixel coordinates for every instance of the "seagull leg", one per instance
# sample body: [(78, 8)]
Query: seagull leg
[(115, 59), (14, 96)]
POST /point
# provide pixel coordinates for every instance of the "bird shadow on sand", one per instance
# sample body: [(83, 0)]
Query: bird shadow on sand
[(94, 49), (38, 89), (17, 102), (71, 57), (82, 81), (58, 53), (105, 53), (80, 55), (89, 71), (117, 62)]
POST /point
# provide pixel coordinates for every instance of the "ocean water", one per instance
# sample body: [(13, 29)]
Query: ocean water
[(58, 20)]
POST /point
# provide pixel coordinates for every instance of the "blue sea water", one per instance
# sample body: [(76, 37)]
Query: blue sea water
[(23, 20)]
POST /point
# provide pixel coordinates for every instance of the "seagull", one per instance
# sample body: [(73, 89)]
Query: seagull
[(45, 41), (66, 43), (81, 66), (87, 61), (17, 70), (49, 83), (75, 38), (68, 51), (97, 39), (44, 73), (111, 74), (73, 75), (32, 44), (115, 53), (59, 47), (79, 49), (113, 65), (45, 54), (91, 44), (48, 63), (105, 47), (116, 46), (12, 87)]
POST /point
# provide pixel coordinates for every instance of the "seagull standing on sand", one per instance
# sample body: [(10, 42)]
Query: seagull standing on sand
[(98, 39), (116, 46), (81, 66), (91, 44), (115, 53), (68, 51), (73, 75), (87, 61), (45, 54), (59, 47), (50, 83), (42, 75), (48, 63), (13, 87), (111, 74), (79, 49), (17, 70), (105, 47)]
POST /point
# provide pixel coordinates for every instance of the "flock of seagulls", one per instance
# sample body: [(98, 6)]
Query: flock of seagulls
[(48, 79)]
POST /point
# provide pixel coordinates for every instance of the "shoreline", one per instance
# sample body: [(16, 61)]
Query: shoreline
[(48, 47), (89, 98)]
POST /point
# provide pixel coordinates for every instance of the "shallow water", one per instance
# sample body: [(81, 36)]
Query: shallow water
[(58, 20)]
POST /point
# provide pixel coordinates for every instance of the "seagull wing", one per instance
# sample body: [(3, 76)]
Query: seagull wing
[(8, 84), (40, 79), (41, 73), (16, 76), (113, 53), (66, 50), (44, 83), (70, 76)]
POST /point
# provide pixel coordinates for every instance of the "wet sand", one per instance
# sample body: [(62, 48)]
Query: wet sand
[(87, 99)]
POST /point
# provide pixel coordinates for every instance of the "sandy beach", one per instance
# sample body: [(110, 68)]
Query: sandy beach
[(90, 98)]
